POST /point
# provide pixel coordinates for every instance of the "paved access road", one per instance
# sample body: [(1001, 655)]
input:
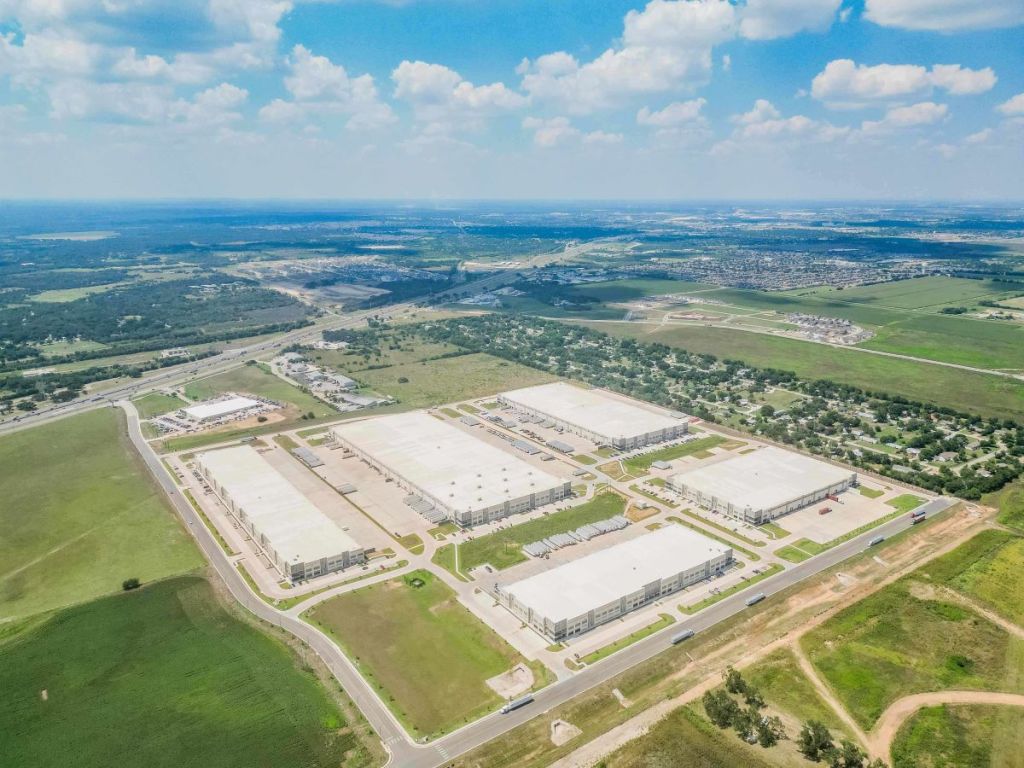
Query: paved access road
[(405, 753)]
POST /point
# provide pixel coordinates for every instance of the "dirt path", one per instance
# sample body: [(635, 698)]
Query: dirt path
[(880, 741), (826, 693), (995, 618)]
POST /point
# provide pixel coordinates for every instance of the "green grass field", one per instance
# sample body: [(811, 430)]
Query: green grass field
[(157, 404), (626, 290), (893, 643), (1010, 503), (80, 516), (685, 739), (257, 380), (964, 390), (161, 678), (638, 465), (990, 569), (952, 339), (906, 502), (426, 654), (953, 737), (785, 687), (919, 293), (504, 548)]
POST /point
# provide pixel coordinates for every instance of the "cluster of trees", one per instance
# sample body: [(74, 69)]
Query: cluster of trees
[(689, 382), (748, 719), (816, 743)]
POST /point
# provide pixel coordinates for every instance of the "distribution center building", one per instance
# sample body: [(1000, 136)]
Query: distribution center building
[(217, 408), (762, 485), (596, 415), (300, 540), (580, 595), (467, 479)]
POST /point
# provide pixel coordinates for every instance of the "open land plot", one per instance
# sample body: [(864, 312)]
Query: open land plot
[(953, 736), (157, 404), (638, 465), (426, 654), (80, 515), (165, 677), (256, 380), (918, 293), (895, 643), (60, 348), (990, 569), (626, 290), (965, 341), (504, 548), (966, 391), (1010, 503), (352, 361), (450, 379)]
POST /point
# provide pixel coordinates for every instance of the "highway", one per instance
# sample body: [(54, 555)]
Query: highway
[(405, 752)]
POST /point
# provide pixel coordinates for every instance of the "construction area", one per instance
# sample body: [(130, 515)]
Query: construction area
[(762, 485), (604, 418), (449, 473)]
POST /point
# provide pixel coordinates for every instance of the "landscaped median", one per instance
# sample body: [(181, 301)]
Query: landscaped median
[(663, 621), (424, 653)]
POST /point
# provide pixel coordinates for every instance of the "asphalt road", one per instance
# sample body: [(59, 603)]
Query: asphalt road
[(405, 752)]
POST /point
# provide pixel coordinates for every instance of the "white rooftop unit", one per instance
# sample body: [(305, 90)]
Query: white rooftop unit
[(762, 485), (572, 598), (216, 409), (470, 479), (600, 416), (300, 539)]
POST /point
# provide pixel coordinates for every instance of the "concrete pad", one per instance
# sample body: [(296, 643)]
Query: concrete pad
[(511, 684), (563, 732)]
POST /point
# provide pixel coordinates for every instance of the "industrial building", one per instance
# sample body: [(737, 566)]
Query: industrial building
[(595, 415), (294, 534), (216, 409), (454, 475), (575, 597), (762, 485)]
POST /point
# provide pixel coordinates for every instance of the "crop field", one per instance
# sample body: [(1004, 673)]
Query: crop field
[(685, 739), (637, 465), (990, 569), (425, 653), (919, 293), (157, 404), (950, 737), (504, 548), (901, 641), (417, 385), (257, 380), (964, 390), (79, 516), (160, 678)]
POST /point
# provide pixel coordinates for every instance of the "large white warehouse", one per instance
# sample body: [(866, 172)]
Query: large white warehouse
[(215, 409), (598, 416), (580, 595), (467, 479), (295, 535), (762, 485)]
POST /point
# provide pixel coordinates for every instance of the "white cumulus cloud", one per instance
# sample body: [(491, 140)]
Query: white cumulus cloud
[(844, 81), (768, 19), (1013, 107), (945, 15), (911, 116)]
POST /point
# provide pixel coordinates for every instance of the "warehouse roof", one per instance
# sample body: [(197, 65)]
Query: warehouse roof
[(600, 578), (764, 479), (209, 410), (453, 466), (591, 409), (296, 529)]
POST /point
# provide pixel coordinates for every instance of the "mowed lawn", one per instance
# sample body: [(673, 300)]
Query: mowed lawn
[(504, 548), (157, 404), (964, 390), (898, 642), (79, 516), (424, 652), (163, 677)]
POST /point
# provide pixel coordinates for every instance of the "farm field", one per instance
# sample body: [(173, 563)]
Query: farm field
[(157, 404), (80, 516), (965, 341), (963, 390), (425, 653), (160, 678), (950, 737), (504, 548), (906, 639), (919, 293)]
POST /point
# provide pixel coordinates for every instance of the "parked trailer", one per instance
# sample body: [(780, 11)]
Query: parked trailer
[(824, 510), (755, 599), (915, 519), (876, 540), (513, 705), (917, 513), (686, 634)]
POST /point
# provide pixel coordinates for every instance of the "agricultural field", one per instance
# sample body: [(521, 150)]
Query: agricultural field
[(907, 639), (951, 737), (963, 390), (504, 548), (157, 404), (425, 653), (166, 677), (80, 516), (919, 293), (965, 341)]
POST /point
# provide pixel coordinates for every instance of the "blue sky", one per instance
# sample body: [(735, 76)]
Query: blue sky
[(675, 99)]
